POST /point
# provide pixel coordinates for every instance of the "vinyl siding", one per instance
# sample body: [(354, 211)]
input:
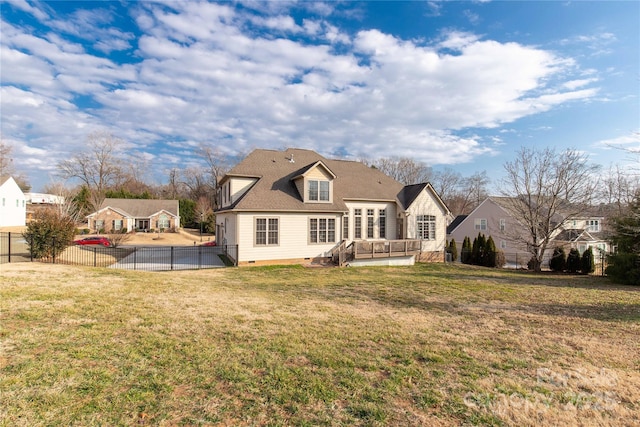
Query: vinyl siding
[(293, 237), (493, 213), (239, 186), (13, 210), (376, 206), (425, 204), (228, 222)]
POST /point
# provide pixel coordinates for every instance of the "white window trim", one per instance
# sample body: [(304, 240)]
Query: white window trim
[(480, 224), (318, 230), (357, 228), (426, 224), (319, 191), (267, 231)]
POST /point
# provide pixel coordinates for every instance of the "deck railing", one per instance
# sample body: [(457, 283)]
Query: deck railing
[(385, 248)]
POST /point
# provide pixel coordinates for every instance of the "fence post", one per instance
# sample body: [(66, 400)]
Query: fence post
[(95, 256), (199, 257), (54, 249), (9, 248), (171, 258)]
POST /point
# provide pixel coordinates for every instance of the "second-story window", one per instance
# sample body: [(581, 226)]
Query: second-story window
[(319, 190), (480, 224), (593, 225)]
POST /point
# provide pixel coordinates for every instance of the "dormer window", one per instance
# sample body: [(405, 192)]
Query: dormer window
[(318, 191), (593, 225)]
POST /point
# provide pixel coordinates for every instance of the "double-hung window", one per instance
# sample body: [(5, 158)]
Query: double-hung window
[(318, 191), (322, 230), (593, 225), (480, 224), (426, 227), (267, 231), (116, 225)]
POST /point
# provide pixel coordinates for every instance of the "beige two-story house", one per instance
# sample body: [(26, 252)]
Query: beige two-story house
[(296, 206)]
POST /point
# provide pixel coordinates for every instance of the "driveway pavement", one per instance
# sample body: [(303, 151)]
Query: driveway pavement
[(171, 258)]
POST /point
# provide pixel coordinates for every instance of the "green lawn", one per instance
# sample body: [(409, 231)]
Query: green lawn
[(424, 345)]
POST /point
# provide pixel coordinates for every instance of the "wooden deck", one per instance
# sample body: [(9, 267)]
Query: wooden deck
[(365, 249), (385, 249)]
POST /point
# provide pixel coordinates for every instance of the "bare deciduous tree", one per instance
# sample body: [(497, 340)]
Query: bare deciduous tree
[(203, 210), (461, 194), (174, 188), (404, 169), (7, 167), (6, 161), (196, 181), (544, 188), (619, 188), (216, 167), (66, 205), (99, 167)]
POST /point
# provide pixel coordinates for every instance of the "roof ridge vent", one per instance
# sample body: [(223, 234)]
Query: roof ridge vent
[(291, 159)]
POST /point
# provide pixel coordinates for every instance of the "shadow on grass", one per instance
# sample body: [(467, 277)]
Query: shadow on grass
[(604, 312), (522, 277)]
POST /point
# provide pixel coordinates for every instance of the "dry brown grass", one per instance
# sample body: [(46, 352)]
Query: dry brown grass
[(424, 345)]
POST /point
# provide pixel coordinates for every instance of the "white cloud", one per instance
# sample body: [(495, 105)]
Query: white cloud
[(575, 84), (203, 74), (630, 141), (36, 12)]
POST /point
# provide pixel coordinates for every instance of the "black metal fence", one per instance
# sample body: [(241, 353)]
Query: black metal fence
[(14, 248), (520, 260)]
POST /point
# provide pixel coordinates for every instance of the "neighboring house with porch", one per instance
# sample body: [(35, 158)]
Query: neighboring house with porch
[(135, 215), (586, 231), (496, 217), (296, 206), (13, 205)]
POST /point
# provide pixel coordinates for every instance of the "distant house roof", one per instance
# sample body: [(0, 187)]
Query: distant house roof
[(141, 208), (575, 235), (456, 221), (515, 205)]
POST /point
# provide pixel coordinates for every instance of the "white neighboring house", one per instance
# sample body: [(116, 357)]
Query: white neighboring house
[(13, 205), (43, 199), (296, 206)]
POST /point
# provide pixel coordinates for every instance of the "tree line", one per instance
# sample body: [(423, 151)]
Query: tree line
[(540, 184)]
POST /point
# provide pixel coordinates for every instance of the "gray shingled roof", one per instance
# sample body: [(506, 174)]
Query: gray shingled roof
[(141, 208), (275, 190)]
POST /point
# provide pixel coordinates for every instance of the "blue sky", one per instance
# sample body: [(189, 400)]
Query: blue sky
[(451, 84)]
